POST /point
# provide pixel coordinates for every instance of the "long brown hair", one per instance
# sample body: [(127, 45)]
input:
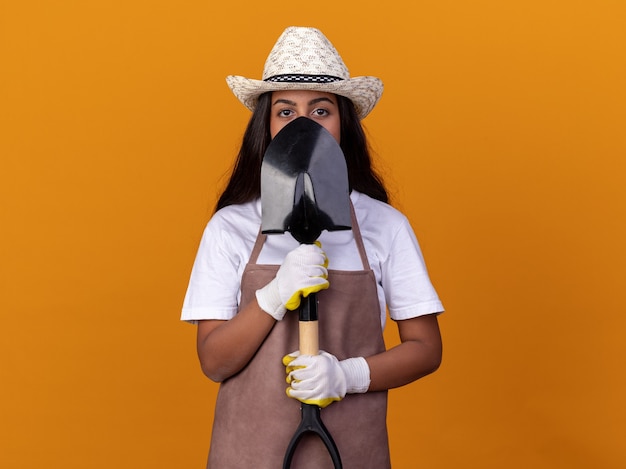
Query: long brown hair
[(244, 184)]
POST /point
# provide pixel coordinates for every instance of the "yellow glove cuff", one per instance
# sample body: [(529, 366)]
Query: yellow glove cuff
[(321, 403)]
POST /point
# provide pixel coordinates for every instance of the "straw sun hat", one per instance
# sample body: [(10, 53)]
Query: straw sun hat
[(304, 59)]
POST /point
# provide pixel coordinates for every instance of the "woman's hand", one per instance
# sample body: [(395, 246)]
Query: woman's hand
[(322, 379), (302, 272)]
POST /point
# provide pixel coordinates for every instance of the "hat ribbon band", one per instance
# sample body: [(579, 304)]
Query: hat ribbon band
[(292, 78)]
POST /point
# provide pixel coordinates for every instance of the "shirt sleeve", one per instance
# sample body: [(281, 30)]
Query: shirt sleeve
[(214, 283), (408, 290)]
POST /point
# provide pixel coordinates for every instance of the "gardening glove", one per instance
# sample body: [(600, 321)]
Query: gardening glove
[(302, 272), (322, 379)]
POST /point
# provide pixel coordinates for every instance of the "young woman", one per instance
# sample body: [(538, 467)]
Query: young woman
[(244, 285)]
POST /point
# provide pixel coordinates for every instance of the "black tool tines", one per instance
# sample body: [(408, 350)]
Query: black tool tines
[(312, 423)]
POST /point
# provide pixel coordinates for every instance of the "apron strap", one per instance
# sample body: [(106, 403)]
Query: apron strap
[(258, 245), (358, 238)]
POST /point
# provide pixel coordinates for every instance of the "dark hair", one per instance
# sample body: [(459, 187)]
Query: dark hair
[(244, 184), (361, 175)]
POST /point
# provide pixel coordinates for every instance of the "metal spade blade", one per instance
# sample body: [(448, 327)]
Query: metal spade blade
[(304, 183)]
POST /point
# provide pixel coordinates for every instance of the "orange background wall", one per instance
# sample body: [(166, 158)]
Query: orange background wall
[(500, 132)]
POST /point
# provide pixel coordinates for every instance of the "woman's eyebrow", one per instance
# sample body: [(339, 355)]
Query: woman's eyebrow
[(317, 100), (284, 101), (310, 103)]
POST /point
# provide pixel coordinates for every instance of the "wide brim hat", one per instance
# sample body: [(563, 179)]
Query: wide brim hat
[(304, 59)]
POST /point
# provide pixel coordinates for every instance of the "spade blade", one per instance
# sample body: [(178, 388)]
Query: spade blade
[(304, 183)]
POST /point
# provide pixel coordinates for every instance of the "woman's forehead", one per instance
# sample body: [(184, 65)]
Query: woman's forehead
[(301, 95)]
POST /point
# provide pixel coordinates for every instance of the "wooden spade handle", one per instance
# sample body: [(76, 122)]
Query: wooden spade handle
[(308, 326), (309, 338)]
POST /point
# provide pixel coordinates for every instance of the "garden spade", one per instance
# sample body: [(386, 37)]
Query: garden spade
[(304, 191)]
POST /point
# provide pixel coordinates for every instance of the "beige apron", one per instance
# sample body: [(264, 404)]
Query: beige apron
[(255, 420)]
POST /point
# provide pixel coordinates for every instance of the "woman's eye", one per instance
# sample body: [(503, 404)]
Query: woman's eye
[(320, 112), (284, 112)]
